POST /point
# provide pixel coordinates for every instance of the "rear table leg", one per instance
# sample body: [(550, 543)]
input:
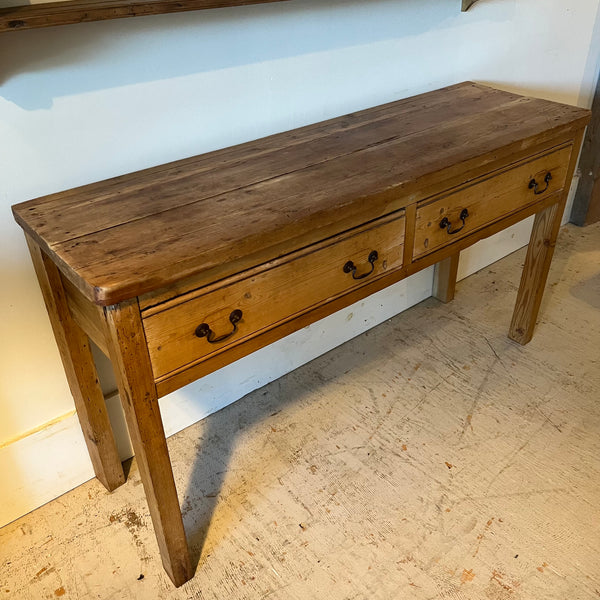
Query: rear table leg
[(444, 278)]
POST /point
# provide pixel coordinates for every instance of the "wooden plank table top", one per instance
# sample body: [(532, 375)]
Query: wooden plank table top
[(126, 236)]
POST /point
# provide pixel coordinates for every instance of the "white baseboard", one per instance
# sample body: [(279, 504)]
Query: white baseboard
[(46, 464), (42, 466)]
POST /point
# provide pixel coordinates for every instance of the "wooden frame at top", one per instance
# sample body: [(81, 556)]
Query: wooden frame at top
[(67, 12)]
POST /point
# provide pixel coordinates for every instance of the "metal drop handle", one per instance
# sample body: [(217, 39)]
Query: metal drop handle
[(446, 224), (533, 184), (350, 267), (204, 330)]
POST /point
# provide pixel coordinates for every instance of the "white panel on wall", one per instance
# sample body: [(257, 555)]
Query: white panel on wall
[(86, 102)]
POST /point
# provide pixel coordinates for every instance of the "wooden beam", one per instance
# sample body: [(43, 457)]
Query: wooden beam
[(586, 206), (68, 12), (33, 16)]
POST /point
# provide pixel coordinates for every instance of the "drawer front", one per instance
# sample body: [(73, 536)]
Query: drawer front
[(442, 220), (270, 296)]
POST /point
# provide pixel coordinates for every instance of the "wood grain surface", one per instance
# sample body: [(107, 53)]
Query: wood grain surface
[(537, 263), (444, 278), (269, 296), (129, 356), (493, 197), (138, 233), (75, 352), (87, 315), (67, 12), (31, 16)]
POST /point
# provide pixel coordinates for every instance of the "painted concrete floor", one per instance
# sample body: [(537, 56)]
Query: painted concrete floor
[(429, 458)]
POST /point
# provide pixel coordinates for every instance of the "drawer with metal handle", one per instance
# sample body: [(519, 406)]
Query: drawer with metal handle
[(444, 219), (192, 327)]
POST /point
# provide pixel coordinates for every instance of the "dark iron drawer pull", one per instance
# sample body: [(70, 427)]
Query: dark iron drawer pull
[(533, 184), (445, 223), (349, 267), (204, 330)]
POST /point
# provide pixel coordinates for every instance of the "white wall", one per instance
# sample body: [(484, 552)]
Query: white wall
[(85, 102)]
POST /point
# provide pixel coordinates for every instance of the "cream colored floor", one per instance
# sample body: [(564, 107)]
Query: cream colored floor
[(429, 458)]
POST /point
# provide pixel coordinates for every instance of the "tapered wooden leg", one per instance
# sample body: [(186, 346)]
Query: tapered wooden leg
[(444, 278), (535, 272), (75, 352), (129, 355)]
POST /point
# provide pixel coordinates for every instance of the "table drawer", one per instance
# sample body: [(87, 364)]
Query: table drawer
[(442, 220), (268, 296)]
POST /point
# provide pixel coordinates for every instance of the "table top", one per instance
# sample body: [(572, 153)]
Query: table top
[(140, 232)]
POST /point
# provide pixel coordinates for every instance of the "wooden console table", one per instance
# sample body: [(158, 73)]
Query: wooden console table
[(181, 269)]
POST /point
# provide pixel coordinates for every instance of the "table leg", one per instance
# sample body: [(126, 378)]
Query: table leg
[(129, 355), (533, 279), (74, 347), (444, 278)]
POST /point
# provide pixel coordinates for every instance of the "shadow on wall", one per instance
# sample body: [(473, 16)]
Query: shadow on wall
[(38, 66)]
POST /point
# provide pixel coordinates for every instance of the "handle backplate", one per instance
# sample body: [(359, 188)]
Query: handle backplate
[(447, 225), (204, 330), (533, 184), (350, 267)]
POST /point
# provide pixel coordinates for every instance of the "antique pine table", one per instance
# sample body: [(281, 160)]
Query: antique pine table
[(178, 270)]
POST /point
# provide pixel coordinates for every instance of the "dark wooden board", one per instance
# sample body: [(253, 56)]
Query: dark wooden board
[(586, 206), (32, 16), (137, 233)]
